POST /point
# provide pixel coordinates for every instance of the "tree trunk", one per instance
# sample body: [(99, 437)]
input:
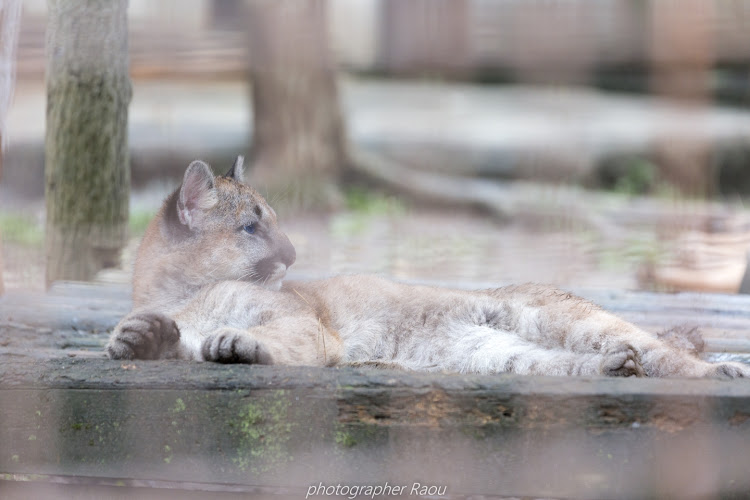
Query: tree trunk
[(87, 175), (745, 283), (682, 54), (2, 285), (425, 37), (10, 21), (298, 134)]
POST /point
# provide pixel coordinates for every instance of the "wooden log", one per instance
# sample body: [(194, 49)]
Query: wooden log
[(76, 318), (208, 425), (84, 425)]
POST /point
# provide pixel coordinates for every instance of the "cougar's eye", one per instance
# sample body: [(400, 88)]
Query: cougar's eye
[(249, 229)]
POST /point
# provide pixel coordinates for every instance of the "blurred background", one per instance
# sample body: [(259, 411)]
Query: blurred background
[(585, 143)]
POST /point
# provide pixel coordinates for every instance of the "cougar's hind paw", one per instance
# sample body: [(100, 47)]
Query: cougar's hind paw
[(622, 362), (231, 346), (730, 370), (144, 336)]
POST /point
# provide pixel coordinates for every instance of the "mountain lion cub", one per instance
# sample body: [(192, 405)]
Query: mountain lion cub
[(208, 286)]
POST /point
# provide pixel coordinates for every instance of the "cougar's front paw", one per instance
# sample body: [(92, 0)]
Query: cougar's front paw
[(233, 346), (144, 336), (622, 361)]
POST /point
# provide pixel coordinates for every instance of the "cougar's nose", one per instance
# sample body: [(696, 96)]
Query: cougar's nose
[(287, 253)]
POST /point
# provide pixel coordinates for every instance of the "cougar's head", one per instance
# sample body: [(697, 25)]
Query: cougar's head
[(212, 229)]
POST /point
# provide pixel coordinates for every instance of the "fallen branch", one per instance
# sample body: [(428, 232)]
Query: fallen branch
[(507, 200), (606, 213)]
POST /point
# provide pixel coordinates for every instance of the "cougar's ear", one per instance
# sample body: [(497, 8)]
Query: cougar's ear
[(237, 171), (197, 194)]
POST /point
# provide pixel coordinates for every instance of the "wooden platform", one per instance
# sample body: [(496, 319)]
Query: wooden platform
[(73, 423)]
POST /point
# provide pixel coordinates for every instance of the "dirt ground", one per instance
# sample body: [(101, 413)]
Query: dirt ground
[(391, 238)]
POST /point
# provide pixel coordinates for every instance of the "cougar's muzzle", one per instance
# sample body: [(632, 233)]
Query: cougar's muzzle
[(273, 268)]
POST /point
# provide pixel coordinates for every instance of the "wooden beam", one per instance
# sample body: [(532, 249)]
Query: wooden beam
[(73, 419), (292, 428)]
